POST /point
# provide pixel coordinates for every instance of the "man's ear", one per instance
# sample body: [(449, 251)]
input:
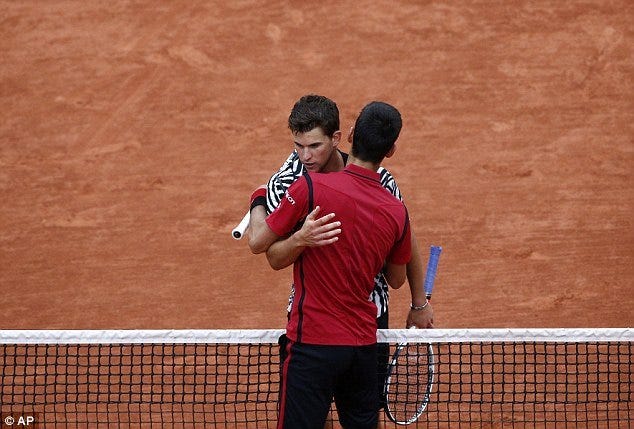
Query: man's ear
[(350, 134), (336, 138), (391, 151)]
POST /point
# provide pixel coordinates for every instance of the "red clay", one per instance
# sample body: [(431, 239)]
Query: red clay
[(131, 136)]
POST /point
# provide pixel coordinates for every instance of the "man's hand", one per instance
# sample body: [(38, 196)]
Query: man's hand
[(422, 319), (318, 231), (315, 232)]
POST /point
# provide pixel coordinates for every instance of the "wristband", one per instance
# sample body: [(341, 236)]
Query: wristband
[(419, 307), (258, 201), (258, 198)]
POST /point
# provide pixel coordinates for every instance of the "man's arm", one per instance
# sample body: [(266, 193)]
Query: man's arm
[(399, 256), (395, 274), (415, 270), (267, 198), (257, 230), (423, 318), (262, 236), (314, 232)]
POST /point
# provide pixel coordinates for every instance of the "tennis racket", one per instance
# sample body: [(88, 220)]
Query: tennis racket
[(410, 374), (239, 230)]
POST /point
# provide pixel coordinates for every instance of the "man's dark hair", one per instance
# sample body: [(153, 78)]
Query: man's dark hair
[(375, 131), (312, 111)]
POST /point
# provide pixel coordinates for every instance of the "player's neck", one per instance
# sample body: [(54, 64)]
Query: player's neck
[(335, 163), (364, 164)]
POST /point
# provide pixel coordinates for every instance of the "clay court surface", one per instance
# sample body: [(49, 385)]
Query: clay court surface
[(132, 133)]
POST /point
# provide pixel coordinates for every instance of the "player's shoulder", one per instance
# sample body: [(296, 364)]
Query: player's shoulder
[(325, 178), (389, 183), (385, 175), (281, 180), (290, 171), (292, 157), (291, 167)]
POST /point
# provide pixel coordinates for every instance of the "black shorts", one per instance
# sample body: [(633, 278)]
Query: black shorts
[(383, 358), (313, 374)]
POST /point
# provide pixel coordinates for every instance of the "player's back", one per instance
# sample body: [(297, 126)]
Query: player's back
[(372, 219), (372, 222)]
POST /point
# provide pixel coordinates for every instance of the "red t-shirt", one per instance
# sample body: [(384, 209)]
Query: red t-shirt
[(333, 282)]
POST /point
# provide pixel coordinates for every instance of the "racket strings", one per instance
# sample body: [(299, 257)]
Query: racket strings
[(409, 382)]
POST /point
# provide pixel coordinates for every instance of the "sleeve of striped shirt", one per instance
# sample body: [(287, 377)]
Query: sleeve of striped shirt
[(278, 184)]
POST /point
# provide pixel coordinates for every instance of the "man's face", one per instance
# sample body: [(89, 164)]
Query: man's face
[(315, 149)]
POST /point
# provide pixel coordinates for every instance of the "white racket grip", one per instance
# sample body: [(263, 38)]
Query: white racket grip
[(239, 230)]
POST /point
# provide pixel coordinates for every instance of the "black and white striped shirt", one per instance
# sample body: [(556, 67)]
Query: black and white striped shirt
[(291, 170)]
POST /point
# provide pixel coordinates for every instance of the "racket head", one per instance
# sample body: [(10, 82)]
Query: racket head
[(409, 382)]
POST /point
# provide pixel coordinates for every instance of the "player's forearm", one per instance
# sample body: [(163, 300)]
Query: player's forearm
[(416, 274), (421, 315), (256, 230), (283, 253)]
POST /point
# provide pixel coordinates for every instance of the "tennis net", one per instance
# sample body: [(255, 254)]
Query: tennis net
[(493, 378)]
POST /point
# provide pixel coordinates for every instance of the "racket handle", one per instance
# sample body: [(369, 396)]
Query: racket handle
[(432, 266), (239, 230)]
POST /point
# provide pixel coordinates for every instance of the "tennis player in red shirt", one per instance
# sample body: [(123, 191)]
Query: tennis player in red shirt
[(332, 324)]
